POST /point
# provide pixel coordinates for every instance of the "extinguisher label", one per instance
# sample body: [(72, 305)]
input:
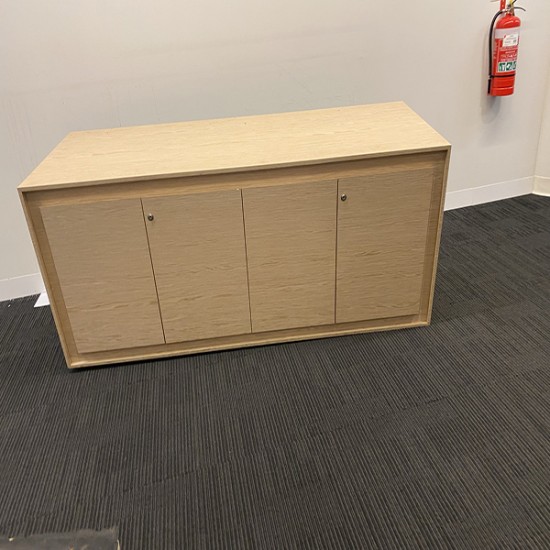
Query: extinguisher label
[(506, 59), (510, 40), (506, 50), (500, 34), (506, 66)]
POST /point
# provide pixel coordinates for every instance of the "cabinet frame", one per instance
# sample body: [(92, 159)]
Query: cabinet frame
[(33, 198)]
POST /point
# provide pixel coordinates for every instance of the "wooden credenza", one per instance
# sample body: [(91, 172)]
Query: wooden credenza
[(182, 238)]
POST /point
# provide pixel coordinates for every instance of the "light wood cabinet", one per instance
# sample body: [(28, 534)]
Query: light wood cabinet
[(182, 238)]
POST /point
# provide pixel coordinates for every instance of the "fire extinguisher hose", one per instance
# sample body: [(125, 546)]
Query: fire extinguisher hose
[(491, 32)]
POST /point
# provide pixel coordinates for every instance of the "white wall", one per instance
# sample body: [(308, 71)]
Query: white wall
[(542, 179), (76, 65)]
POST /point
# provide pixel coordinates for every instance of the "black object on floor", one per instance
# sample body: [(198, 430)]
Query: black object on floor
[(434, 437)]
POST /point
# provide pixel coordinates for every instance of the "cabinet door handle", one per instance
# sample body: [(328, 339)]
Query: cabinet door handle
[(150, 217), (343, 197)]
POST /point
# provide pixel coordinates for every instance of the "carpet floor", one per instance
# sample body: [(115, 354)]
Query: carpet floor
[(433, 437)]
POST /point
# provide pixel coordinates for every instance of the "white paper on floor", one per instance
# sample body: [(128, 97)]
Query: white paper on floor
[(43, 300)]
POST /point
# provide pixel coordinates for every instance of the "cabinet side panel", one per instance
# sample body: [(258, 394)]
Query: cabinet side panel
[(198, 251), (291, 239), (382, 229), (102, 261), (433, 237), (43, 255)]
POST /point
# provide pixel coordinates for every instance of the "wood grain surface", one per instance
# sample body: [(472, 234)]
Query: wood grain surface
[(382, 230), (198, 252), (291, 239), (234, 145)]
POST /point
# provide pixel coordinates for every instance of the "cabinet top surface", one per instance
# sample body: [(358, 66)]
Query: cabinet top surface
[(234, 145)]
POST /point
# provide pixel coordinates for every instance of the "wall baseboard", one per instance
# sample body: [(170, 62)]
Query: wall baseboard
[(33, 284), (489, 193), (542, 186), (17, 287)]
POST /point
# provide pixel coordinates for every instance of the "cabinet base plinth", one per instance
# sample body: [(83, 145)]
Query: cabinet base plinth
[(244, 340)]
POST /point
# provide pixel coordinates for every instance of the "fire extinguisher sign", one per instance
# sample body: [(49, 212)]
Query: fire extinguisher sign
[(505, 66)]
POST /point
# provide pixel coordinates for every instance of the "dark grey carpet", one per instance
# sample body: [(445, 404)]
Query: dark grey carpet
[(436, 437)]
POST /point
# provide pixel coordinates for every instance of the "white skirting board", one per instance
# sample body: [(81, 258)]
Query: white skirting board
[(489, 193), (32, 284), (542, 186), (16, 287)]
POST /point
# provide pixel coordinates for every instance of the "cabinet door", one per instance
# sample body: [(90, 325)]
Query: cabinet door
[(382, 230), (291, 238), (102, 261), (199, 258)]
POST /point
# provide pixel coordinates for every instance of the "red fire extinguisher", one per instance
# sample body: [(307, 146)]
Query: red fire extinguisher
[(503, 49)]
